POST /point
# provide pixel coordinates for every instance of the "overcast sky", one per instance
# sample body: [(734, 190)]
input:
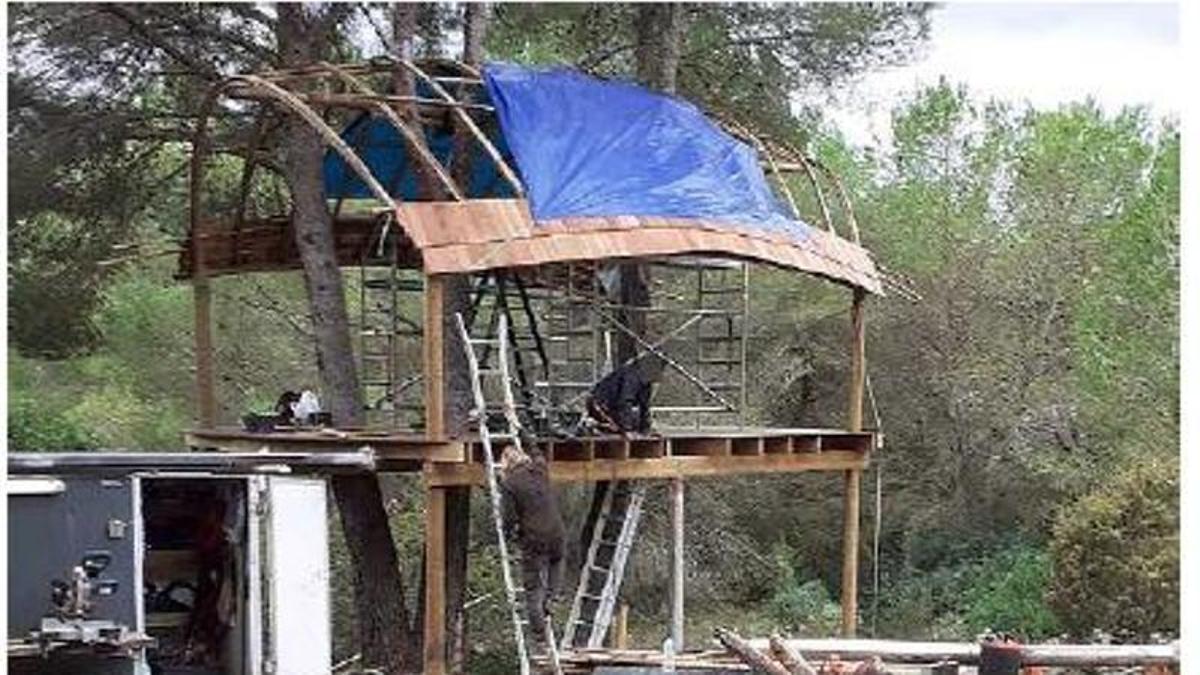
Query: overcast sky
[(1043, 53)]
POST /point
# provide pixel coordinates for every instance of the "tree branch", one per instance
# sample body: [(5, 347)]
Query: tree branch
[(137, 25)]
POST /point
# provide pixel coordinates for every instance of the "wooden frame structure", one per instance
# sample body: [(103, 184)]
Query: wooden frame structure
[(460, 236)]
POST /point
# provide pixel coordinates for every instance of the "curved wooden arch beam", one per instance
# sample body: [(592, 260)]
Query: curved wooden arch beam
[(806, 164), (766, 152), (739, 131), (409, 134), (251, 163), (491, 150), (843, 196), (293, 102)]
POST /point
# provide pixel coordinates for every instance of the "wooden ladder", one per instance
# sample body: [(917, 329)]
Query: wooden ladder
[(512, 435)]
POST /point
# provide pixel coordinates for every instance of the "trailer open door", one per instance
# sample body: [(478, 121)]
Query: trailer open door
[(296, 568)]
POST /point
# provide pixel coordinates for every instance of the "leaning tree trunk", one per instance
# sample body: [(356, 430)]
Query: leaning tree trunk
[(660, 29), (457, 300), (378, 587), (459, 396)]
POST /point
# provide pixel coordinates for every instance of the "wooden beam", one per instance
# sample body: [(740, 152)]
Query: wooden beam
[(858, 362), (206, 404), (853, 477), (677, 565), (758, 661), (850, 508), (598, 470), (458, 531), (435, 581), (620, 635), (967, 653), (206, 398), (409, 447), (434, 357)]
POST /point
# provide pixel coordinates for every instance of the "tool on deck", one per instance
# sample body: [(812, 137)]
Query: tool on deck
[(500, 343)]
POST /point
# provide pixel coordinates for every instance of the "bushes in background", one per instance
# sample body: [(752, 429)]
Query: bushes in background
[(1116, 555)]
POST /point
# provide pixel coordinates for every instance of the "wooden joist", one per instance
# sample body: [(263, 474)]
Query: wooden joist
[(663, 467), (674, 454), (387, 447)]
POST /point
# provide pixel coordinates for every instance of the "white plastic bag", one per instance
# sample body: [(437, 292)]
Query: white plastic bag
[(307, 405)]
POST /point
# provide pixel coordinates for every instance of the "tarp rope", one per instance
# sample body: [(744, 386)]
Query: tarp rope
[(878, 513)]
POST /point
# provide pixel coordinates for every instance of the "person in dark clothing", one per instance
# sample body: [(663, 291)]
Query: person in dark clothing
[(620, 402), (532, 518)]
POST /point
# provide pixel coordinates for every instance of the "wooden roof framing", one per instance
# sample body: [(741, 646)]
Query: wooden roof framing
[(466, 235)]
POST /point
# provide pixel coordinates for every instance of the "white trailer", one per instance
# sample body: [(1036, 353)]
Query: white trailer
[(196, 563)]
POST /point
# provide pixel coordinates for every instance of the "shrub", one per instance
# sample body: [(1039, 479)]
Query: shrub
[(1009, 595), (1000, 591), (34, 427), (38, 416), (802, 607), (1116, 555)]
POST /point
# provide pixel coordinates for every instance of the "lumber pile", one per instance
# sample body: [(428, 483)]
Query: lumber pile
[(782, 659)]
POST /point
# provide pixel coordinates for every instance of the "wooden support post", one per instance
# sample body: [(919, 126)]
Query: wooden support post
[(858, 362), (458, 532), (206, 400), (853, 477), (435, 581), (620, 636), (432, 342), (677, 564)]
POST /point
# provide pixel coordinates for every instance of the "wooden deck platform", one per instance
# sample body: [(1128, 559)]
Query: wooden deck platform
[(674, 453)]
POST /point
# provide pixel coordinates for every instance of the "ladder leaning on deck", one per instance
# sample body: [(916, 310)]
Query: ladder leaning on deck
[(600, 579), (499, 342)]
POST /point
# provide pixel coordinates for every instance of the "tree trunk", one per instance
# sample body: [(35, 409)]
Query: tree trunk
[(457, 299), (660, 30), (385, 640), (458, 396)]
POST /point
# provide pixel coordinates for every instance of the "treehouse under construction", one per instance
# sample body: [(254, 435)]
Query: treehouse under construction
[(525, 202)]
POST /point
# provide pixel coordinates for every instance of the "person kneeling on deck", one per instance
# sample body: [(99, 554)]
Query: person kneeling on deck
[(620, 402), (531, 516)]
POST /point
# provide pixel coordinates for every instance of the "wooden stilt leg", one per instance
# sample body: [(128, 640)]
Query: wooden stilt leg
[(850, 502), (458, 528), (853, 482), (434, 357), (206, 400), (435, 581)]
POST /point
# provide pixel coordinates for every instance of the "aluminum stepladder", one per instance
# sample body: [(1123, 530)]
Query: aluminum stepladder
[(513, 435), (604, 568)]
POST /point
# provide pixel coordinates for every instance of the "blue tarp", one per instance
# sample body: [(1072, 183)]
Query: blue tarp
[(590, 147)]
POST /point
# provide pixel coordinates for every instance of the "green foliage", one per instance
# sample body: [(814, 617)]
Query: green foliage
[(1009, 596), (38, 417), (1116, 555), (1125, 337), (802, 607), (1001, 591)]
